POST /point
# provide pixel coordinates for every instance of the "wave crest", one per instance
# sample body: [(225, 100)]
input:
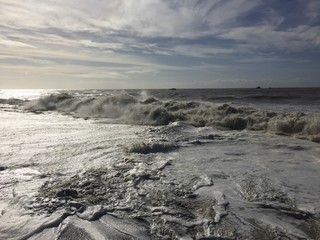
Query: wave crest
[(151, 147), (125, 108)]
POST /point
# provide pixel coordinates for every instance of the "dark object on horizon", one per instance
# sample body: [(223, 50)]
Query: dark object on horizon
[(173, 89), (258, 87)]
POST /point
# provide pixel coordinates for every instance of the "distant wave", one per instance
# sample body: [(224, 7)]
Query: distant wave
[(272, 95), (255, 97), (12, 101), (146, 110), (275, 97)]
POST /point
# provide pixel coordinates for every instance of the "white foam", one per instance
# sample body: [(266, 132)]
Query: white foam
[(51, 147)]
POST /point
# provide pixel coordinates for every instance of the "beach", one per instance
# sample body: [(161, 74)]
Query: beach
[(160, 164)]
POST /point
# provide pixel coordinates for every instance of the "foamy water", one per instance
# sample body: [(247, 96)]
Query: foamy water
[(159, 165), (139, 108)]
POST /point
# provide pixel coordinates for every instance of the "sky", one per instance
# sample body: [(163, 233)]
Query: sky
[(125, 44)]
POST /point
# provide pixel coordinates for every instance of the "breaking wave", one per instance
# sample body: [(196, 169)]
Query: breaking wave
[(11, 101), (146, 148), (144, 110)]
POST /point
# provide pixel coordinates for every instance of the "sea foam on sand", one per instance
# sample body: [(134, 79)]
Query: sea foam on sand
[(195, 171)]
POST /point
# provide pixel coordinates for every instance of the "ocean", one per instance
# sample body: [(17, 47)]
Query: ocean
[(160, 164)]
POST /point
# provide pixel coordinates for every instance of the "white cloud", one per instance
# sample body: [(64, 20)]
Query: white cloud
[(265, 59), (99, 75), (201, 51), (26, 59), (10, 43), (266, 37), (177, 19), (101, 45), (144, 17)]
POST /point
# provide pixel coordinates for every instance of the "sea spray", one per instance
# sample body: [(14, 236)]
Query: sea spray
[(146, 110)]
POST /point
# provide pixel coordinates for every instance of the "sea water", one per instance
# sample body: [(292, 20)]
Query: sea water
[(160, 164)]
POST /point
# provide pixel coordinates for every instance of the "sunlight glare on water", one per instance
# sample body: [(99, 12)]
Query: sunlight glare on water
[(25, 94)]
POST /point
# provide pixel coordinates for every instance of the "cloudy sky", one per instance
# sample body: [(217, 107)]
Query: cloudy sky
[(81, 44)]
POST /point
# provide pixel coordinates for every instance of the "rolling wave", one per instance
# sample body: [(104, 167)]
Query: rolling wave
[(145, 110)]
